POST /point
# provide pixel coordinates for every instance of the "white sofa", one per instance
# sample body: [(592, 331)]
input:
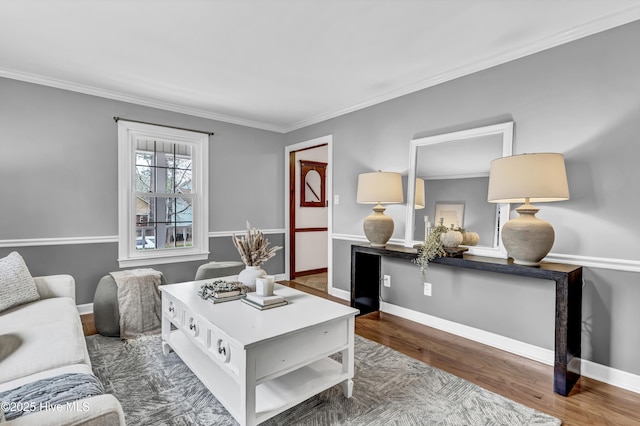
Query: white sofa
[(43, 339)]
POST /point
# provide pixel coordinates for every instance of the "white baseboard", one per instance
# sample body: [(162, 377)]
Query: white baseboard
[(85, 309), (507, 344), (340, 294), (612, 376), (602, 373)]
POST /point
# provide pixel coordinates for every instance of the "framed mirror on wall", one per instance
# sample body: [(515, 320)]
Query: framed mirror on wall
[(312, 183), (455, 170)]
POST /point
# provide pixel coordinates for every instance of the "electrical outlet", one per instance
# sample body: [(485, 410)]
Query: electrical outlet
[(387, 281), (427, 289)]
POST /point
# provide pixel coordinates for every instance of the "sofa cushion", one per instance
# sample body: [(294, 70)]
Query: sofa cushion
[(40, 312), (40, 336), (16, 283), (49, 393)]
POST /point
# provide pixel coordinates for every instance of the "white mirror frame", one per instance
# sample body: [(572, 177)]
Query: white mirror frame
[(504, 129)]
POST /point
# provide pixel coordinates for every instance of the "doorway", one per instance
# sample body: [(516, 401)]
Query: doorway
[(308, 213)]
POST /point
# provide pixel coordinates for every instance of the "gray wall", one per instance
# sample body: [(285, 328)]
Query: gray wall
[(580, 99), (58, 168), (58, 174)]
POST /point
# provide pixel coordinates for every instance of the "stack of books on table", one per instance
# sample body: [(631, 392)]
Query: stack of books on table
[(225, 296), (263, 302), (222, 291)]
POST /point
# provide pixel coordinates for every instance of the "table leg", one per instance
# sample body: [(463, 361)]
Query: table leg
[(347, 388), (348, 360), (166, 331), (248, 390)]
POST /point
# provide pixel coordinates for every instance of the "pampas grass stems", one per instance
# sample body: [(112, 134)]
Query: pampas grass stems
[(254, 247)]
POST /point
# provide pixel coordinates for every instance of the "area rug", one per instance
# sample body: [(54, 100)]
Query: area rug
[(390, 389)]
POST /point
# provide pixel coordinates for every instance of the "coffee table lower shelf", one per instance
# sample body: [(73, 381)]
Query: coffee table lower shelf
[(273, 396)]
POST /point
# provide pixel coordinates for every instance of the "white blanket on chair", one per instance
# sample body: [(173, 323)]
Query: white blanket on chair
[(139, 301)]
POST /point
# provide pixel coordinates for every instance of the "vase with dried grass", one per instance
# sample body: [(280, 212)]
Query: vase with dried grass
[(254, 250)]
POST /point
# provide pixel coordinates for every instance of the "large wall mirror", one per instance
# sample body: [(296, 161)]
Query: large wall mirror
[(455, 170)]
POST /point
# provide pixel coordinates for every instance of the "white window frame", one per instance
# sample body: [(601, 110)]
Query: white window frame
[(128, 256)]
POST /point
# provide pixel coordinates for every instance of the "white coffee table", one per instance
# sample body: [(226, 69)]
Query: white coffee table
[(260, 363)]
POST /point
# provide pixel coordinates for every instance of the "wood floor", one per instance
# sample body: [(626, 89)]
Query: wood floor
[(88, 326), (315, 281), (527, 382), (520, 379)]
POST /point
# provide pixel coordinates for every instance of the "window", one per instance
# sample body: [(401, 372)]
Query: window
[(162, 187)]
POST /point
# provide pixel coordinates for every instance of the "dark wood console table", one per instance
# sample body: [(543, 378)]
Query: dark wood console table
[(365, 296)]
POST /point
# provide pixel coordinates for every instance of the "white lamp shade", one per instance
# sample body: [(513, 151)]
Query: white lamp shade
[(540, 177), (380, 187), (419, 194)]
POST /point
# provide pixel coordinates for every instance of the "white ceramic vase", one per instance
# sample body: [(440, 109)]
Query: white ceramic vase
[(248, 276), (451, 239)]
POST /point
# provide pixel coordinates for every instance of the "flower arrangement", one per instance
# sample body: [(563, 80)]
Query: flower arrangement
[(254, 247), (434, 246), (431, 248)]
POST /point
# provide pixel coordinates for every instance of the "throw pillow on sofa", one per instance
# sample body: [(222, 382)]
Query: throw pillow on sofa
[(16, 283)]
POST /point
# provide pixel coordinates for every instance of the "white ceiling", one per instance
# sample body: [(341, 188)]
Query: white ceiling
[(280, 64)]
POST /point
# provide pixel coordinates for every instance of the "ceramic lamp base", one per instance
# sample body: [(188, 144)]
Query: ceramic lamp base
[(527, 239), (378, 227)]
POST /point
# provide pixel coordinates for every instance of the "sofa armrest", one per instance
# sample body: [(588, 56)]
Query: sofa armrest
[(56, 286), (101, 410)]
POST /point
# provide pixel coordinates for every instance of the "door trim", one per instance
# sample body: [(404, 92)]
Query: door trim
[(323, 140)]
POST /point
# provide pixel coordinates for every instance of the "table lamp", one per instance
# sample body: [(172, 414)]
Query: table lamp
[(379, 188), (527, 178)]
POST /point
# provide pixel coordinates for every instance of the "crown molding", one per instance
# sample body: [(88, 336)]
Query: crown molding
[(621, 17), (604, 23), (137, 100)]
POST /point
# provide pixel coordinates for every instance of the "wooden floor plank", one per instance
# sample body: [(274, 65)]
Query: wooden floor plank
[(519, 379), (88, 325), (522, 380)]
